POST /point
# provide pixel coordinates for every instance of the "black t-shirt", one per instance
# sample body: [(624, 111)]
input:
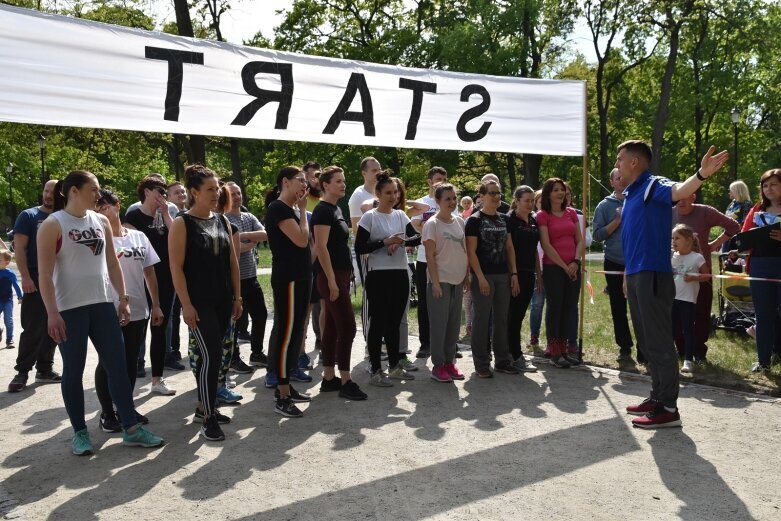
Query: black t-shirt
[(207, 260), (288, 261), (525, 236), (158, 237), (491, 233), (327, 214)]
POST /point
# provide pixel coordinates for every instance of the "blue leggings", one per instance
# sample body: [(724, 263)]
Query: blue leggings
[(7, 309), (99, 323)]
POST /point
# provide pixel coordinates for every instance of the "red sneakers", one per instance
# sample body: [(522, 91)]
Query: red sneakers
[(658, 419), (641, 409), (454, 372), (440, 374)]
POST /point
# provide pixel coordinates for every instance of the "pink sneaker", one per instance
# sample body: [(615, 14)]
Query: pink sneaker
[(454, 372), (440, 374)]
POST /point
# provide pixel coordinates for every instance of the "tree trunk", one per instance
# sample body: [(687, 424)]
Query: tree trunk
[(236, 175), (531, 170), (184, 24), (511, 171)]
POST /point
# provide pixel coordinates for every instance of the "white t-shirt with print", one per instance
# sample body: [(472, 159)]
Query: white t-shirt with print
[(682, 265), (134, 252), (381, 226), (450, 248)]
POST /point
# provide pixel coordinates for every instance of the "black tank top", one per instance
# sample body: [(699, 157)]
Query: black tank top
[(207, 259)]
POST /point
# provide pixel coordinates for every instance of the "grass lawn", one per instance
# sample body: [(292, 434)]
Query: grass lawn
[(730, 355)]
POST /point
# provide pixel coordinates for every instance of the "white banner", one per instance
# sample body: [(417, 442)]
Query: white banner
[(58, 70)]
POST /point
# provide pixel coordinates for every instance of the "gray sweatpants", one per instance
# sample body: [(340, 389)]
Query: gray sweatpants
[(498, 301), (650, 295), (444, 315)]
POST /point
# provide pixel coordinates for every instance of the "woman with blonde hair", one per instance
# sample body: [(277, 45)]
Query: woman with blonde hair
[(738, 208)]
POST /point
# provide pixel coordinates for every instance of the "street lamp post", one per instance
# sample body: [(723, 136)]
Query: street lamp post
[(11, 207), (734, 115), (42, 147)]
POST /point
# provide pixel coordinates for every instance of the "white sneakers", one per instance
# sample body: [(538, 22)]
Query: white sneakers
[(688, 367), (163, 388)]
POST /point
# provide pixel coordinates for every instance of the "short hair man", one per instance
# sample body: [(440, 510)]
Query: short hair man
[(607, 229), (36, 347), (177, 195), (646, 233), (370, 167), (251, 232), (702, 218), (435, 176)]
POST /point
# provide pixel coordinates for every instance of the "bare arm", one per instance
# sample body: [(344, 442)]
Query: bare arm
[(115, 273), (48, 234), (177, 239), (510, 249), (20, 252), (235, 275), (711, 163), (297, 233)]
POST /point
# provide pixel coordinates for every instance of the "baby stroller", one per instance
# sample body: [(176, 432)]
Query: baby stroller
[(736, 309)]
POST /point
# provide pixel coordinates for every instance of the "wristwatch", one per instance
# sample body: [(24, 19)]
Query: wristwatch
[(238, 299), (124, 297)]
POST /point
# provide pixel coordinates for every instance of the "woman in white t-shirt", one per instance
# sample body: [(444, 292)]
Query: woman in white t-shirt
[(77, 271), (689, 269), (381, 237), (137, 258), (443, 237)]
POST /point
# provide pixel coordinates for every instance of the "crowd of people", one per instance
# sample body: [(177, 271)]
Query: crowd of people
[(190, 248)]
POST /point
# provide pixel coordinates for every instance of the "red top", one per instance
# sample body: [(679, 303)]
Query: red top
[(561, 233)]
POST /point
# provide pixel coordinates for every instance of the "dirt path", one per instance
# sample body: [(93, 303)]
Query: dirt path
[(551, 445)]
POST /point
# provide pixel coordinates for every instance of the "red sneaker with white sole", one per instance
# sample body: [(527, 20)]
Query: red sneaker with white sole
[(641, 409), (659, 419)]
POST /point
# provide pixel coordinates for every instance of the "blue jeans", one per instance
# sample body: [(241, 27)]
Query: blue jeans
[(535, 319), (7, 309), (767, 301), (99, 323)]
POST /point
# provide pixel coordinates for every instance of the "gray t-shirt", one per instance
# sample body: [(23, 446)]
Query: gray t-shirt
[(246, 222)]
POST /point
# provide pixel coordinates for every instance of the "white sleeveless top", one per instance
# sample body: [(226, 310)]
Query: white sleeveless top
[(80, 270)]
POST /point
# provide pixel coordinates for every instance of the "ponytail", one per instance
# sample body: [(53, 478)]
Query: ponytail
[(75, 179)]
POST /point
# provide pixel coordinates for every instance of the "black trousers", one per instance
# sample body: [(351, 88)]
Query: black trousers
[(517, 312), (133, 334), (214, 318), (387, 292), (618, 307), (561, 294), (291, 300), (255, 308), (421, 283), (36, 347), (176, 318), (157, 347)]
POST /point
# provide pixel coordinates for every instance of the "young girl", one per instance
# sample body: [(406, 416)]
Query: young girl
[(689, 268), (443, 237)]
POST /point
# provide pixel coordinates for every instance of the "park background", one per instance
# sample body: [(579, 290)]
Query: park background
[(680, 74)]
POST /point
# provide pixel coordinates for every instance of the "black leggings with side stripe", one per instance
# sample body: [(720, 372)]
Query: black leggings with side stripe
[(291, 300), (214, 318)]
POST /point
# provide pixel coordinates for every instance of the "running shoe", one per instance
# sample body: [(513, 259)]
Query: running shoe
[(81, 444), (573, 360), (163, 388), (295, 396), (271, 380), (423, 352), (399, 373), (225, 395), (304, 361), (523, 366), (258, 360), (454, 372), (238, 366), (332, 385), (506, 368), (688, 367), (109, 422), (221, 418), (407, 364), (287, 408), (560, 362), (10, 344), (47, 377), (298, 375), (644, 407), (351, 391), (440, 374), (380, 379), (211, 429), (484, 373), (18, 383), (141, 438), (658, 419)]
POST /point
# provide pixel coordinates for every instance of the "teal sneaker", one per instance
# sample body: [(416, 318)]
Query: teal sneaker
[(81, 443), (141, 438)]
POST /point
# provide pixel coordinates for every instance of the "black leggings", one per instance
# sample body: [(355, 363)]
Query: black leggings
[(254, 308), (291, 300), (387, 292), (133, 334), (157, 347), (517, 312), (214, 318), (561, 294)]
